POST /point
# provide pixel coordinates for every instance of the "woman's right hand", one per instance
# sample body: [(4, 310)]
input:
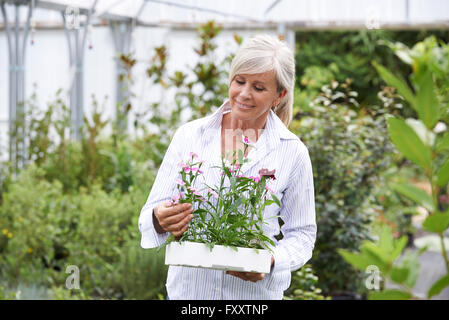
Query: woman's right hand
[(173, 218)]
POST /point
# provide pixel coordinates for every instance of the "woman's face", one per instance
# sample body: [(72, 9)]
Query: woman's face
[(252, 95)]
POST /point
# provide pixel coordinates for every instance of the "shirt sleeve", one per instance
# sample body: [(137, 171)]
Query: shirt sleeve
[(298, 214), (162, 190)]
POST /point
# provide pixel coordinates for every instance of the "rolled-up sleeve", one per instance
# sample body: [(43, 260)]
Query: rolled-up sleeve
[(298, 214), (162, 190)]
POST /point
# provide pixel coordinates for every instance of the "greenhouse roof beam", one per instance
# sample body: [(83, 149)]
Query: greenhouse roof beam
[(274, 4), (84, 10), (196, 8)]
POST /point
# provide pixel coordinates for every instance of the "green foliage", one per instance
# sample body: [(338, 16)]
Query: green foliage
[(140, 273), (341, 55), (384, 255), (48, 230), (348, 151), (230, 216), (304, 286), (419, 142)]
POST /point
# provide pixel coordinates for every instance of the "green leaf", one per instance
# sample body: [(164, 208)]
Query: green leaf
[(399, 275), (443, 174), (443, 143), (391, 294), (355, 259), (376, 256), (427, 136), (438, 286), (240, 157), (399, 247), (398, 83), (202, 213), (415, 194), (437, 222), (427, 102), (386, 240), (276, 199), (408, 143)]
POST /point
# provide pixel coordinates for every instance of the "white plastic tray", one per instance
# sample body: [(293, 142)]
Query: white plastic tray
[(192, 254)]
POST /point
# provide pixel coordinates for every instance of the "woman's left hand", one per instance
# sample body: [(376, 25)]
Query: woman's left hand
[(249, 276)]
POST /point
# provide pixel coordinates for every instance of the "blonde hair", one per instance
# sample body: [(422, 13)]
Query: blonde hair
[(265, 53)]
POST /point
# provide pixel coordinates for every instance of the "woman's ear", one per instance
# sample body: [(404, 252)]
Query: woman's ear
[(280, 96)]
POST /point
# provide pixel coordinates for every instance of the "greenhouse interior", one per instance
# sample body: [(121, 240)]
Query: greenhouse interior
[(92, 93)]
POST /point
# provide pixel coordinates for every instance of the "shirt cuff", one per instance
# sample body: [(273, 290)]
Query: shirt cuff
[(281, 259), (150, 237)]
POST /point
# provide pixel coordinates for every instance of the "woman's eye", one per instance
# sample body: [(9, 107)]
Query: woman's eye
[(258, 89), (240, 81)]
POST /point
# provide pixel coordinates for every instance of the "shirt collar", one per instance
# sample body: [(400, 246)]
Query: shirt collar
[(274, 127)]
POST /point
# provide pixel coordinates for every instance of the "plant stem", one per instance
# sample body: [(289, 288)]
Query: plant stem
[(435, 191), (443, 251)]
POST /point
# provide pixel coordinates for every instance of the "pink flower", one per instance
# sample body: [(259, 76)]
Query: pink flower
[(175, 199), (213, 193), (271, 190), (267, 173), (256, 179), (246, 140), (193, 154), (180, 182), (197, 170), (195, 191), (240, 176), (187, 169)]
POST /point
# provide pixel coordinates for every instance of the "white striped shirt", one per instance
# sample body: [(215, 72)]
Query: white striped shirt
[(277, 148)]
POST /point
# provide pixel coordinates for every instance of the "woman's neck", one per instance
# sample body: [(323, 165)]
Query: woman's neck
[(237, 127)]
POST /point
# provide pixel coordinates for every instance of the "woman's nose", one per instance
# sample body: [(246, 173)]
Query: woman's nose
[(245, 92)]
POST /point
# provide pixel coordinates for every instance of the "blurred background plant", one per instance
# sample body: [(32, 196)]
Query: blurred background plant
[(426, 146), (349, 150), (304, 286)]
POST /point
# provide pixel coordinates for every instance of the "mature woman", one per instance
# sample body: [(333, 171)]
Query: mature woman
[(260, 106)]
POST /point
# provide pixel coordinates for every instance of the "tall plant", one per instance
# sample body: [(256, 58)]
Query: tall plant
[(425, 143), (348, 150)]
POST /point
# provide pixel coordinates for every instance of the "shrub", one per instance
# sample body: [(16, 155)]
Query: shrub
[(303, 286), (348, 151), (47, 230)]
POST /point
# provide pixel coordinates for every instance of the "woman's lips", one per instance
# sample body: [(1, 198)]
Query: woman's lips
[(243, 106)]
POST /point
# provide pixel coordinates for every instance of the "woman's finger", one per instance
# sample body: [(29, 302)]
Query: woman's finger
[(176, 218), (178, 234), (167, 211), (179, 225)]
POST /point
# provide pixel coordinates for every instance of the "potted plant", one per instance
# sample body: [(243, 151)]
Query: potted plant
[(227, 229)]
